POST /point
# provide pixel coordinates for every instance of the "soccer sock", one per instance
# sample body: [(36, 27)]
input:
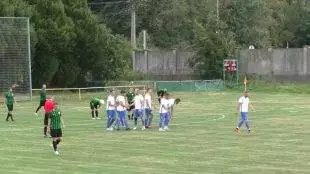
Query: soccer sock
[(161, 121), (166, 121), (11, 115), (45, 130), (96, 113), (93, 114), (136, 121), (55, 145), (38, 109)]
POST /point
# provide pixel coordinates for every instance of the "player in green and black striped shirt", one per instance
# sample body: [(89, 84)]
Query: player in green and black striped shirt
[(42, 99), (9, 101), (130, 95), (95, 103), (55, 123)]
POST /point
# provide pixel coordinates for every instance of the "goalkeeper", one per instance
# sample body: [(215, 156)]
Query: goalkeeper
[(130, 95), (95, 104)]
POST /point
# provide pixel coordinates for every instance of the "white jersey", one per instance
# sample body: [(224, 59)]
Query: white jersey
[(138, 100), (121, 101), (147, 99), (244, 104), (171, 102), (111, 100), (164, 106)]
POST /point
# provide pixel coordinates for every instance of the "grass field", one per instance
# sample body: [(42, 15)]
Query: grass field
[(201, 139)]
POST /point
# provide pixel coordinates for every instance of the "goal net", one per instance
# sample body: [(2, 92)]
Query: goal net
[(15, 61)]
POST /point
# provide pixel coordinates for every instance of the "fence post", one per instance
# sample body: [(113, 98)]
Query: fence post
[(80, 96), (305, 57), (133, 60)]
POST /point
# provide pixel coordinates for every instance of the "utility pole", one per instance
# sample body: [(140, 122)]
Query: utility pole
[(217, 12), (133, 25)]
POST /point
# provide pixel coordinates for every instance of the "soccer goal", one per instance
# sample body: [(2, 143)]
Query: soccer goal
[(15, 60)]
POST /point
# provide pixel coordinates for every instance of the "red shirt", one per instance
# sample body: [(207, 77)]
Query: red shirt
[(49, 105)]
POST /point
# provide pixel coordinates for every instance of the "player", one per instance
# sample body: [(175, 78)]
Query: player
[(43, 95), (9, 101), (164, 112), (110, 110), (173, 102), (95, 104), (160, 94), (243, 108), (55, 125), (121, 111), (49, 106), (148, 108), (130, 96), (138, 112)]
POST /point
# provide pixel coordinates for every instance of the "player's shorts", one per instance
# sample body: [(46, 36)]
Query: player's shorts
[(131, 107), (147, 111), (138, 113), (93, 106), (121, 114), (55, 133), (111, 114), (164, 116), (244, 116), (46, 116), (10, 107), (42, 102)]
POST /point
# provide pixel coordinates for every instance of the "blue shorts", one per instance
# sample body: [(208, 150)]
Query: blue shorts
[(138, 113), (148, 111), (111, 113), (121, 114), (244, 116), (164, 116)]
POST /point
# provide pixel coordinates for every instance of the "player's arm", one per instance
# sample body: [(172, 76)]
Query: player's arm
[(49, 125), (62, 121)]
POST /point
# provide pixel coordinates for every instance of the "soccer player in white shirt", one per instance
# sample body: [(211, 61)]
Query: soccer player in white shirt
[(243, 108), (111, 110), (121, 110), (164, 111), (138, 112), (148, 108)]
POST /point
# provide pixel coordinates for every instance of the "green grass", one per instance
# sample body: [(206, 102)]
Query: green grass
[(201, 139)]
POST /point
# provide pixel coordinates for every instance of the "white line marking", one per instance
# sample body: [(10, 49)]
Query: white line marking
[(223, 116)]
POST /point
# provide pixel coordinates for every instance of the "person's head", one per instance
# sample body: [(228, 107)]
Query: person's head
[(131, 90), (112, 91), (246, 94), (10, 89), (101, 102), (56, 105), (44, 86), (137, 91), (166, 96)]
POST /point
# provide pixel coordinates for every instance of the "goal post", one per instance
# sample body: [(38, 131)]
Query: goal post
[(15, 56)]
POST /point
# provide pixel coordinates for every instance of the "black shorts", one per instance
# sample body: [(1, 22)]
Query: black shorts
[(10, 107), (56, 133), (46, 116), (131, 107), (92, 107)]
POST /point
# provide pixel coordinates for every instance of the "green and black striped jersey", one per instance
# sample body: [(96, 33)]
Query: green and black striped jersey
[(55, 119)]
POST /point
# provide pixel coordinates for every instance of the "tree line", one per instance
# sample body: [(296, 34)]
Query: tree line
[(73, 41)]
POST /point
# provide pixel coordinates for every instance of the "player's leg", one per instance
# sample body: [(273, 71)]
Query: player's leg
[(124, 120), (45, 124), (92, 107), (118, 120), (146, 115), (240, 123), (141, 116), (135, 115), (247, 124), (166, 121), (96, 112), (111, 119), (161, 122), (39, 107)]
